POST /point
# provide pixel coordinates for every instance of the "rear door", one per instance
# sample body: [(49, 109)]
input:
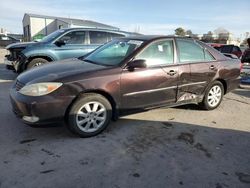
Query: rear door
[(75, 45), (154, 85), (203, 68)]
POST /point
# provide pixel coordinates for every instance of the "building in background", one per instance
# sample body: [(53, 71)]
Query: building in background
[(221, 36), (37, 26), (3, 31)]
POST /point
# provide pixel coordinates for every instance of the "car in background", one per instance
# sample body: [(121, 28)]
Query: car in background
[(6, 40), (243, 48), (61, 44), (126, 75), (228, 49), (245, 74)]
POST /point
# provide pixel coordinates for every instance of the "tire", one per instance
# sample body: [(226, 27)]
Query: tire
[(213, 96), (36, 62), (89, 115)]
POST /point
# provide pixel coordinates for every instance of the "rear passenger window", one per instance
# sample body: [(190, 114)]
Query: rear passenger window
[(190, 51), (98, 37)]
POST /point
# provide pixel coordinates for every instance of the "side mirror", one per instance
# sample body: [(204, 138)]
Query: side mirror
[(138, 63), (60, 43)]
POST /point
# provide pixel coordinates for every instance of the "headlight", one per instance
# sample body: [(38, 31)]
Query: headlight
[(40, 89)]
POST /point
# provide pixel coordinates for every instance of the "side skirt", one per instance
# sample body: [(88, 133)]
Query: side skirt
[(125, 112)]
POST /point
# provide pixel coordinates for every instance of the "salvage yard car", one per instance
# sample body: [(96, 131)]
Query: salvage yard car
[(61, 44), (124, 76), (229, 50), (6, 40), (245, 74)]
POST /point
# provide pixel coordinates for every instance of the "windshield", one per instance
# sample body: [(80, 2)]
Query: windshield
[(114, 52), (52, 36)]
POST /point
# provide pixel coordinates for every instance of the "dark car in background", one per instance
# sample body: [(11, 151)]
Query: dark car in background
[(61, 44), (245, 72), (5, 40), (228, 49), (124, 76)]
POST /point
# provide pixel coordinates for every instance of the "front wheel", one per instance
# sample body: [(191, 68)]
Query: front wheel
[(36, 62), (213, 96), (89, 115)]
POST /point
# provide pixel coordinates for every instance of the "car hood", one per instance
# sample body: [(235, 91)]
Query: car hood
[(20, 45), (59, 71)]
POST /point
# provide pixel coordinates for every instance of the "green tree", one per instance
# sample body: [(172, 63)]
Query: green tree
[(189, 33), (180, 31)]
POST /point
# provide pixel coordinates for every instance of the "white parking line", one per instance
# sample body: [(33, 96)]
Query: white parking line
[(3, 81)]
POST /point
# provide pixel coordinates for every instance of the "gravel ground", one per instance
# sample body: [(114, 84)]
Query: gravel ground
[(3, 52), (175, 147)]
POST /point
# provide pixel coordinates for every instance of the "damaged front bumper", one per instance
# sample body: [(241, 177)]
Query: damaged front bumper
[(19, 64)]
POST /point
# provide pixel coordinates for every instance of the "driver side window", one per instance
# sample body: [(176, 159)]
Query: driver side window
[(158, 53), (74, 37)]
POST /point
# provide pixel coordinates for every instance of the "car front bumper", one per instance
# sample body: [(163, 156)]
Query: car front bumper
[(39, 110), (16, 65), (245, 74), (8, 62)]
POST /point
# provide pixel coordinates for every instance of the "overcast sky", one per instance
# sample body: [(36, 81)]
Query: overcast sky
[(150, 16)]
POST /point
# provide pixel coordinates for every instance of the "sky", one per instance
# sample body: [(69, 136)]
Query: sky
[(145, 16)]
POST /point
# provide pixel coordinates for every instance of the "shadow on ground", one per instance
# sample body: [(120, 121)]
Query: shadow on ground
[(242, 92)]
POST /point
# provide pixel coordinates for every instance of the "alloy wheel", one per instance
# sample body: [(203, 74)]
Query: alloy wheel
[(214, 96), (91, 116)]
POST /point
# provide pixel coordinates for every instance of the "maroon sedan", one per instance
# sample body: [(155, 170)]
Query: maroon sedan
[(124, 76)]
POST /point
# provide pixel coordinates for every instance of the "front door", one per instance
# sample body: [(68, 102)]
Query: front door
[(154, 85)]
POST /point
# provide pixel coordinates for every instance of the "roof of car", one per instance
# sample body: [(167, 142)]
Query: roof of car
[(154, 37), (101, 29)]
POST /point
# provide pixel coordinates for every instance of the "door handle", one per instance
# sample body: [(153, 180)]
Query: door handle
[(172, 72), (212, 67)]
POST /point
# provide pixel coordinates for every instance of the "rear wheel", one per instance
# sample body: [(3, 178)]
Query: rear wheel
[(89, 115), (36, 62), (213, 96)]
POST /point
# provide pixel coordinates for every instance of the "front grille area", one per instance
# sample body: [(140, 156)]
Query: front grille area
[(14, 54), (19, 85)]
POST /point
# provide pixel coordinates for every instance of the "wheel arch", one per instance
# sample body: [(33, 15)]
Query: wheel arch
[(30, 58), (224, 83), (102, 93), (46, 57)]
